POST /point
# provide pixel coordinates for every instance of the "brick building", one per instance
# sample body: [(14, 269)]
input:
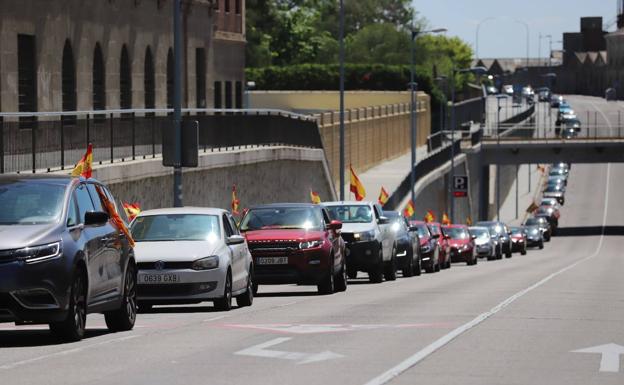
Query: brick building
[(108, 54)]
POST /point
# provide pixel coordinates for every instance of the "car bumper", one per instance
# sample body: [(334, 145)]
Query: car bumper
[(484, 251), (303, 268), (517, 247), (189, 285), (461, 255), (533, 242), (362, 255), (37, 293)]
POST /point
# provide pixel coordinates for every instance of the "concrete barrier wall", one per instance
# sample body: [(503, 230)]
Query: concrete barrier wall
[(263, 175), (324, 100)]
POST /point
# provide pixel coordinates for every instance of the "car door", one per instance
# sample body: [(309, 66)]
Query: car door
[(335, 239), (239, 276), (384, 229), (112, 245)]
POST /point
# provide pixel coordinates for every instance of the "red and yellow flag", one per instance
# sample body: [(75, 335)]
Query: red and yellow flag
[(468, 221), (114, 215), (357, 188), (409, 210), (235, 201), (84, 166), (429, 217), (383, 196), (315, 197), (132, 210), (446, 220)]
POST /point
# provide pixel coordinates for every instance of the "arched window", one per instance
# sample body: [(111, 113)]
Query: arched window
[(125, 80), (68, 79), (149, 80), (170, 78), (99, 79)]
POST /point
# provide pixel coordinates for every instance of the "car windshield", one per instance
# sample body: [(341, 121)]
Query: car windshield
[(30, 203), (176, 227), (351, 213), (533, 230), (305, 218), (435, 229), (480, 233), (456, 232), (534, 221), (516, 231), (423, 231)]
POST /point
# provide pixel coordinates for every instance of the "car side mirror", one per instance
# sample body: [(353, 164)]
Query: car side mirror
[(383, 220), (435, 236), (413, 228), (235, 240), (334, 225), (96, 218), (473, 237)]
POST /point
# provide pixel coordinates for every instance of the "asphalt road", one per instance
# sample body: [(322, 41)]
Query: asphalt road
[(513, 321)]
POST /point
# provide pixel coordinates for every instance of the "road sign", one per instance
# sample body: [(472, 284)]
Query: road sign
[(460, 186), (610, 361), (261, 350)]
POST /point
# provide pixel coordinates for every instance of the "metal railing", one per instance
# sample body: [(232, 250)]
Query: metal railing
[(539, 134), (45, 141)]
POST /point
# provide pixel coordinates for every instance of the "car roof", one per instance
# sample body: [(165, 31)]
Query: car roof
[(482, 228), (183, 210), (349, 203), (284, 205), (455, 226), (45, 178)]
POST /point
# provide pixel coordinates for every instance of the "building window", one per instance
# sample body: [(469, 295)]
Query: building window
[(68, 82), (237, 7), (170, 78), (26, 77), (149, 80), (228, 95), (99, 79), (200, 77), (227, 5), (218, 103), (239, 95), (125, 80)]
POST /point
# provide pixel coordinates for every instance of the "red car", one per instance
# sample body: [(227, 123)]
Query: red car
[(462, 245), (443, 244), (518, 240), (296, 244), (429, 249)]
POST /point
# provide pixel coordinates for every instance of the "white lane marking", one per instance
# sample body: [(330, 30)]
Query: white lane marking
[(261, 350), (215, 318), (444, 340), (610, 361), (65, 352), (331, 328)]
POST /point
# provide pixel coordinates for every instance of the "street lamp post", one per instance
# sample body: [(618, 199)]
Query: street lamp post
[(498, 165), (528, 41), (477, 37), (177, 105), (413, 107), (342, 86)]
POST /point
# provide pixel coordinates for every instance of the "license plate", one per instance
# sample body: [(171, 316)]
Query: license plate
[(154, 279), (272, 260)]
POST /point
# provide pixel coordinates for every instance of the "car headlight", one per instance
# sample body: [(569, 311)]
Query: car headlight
[(426, 248), (311, 244), (364, 236), (41, 253), (206, 263)]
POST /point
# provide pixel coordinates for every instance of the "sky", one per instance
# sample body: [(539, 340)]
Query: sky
[(502, 36)]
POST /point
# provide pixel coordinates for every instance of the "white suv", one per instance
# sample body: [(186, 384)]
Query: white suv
[(371, 246)]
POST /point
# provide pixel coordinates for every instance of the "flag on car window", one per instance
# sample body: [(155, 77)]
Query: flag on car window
[(83, 167), (409, 210), (383, 196), (357, 188), (235, 201), (468, 221), (114, 215), (446, 220), (132, 210), (315, 197), (429, 217), (532, 207)]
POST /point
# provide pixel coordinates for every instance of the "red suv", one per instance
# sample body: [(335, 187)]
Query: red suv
[(462, 245), (443, 244), (295, 244)]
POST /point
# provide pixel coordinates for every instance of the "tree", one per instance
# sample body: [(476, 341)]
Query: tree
[(378, 43)]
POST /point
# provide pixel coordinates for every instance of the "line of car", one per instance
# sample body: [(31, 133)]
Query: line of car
[(62, 257)]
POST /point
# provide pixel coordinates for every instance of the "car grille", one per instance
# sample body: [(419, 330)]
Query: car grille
[(175, 290), (7, 256), (274, 246), (164, 265), (348, 237)]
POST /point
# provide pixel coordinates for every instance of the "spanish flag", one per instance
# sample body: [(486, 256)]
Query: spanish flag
[(357, 187), (409, 210), (315, 197), (429, 217), (83, 167), (383, 196), (114, 215), (445, 220), (132, 210), (235, 201), (468, 221), (532, 207)]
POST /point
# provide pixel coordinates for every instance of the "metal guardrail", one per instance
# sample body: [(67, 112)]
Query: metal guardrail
[(40, 142), (538, 134)]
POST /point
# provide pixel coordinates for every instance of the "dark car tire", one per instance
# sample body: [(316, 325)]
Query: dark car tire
[(225, 303), (547, 237), (375, 274), (352, 273), (246, 299), (408, 269), (255, 288), (541, 245), (123, 319), (327, 286), (418, 267), (72, 329), (508, 254), (430, 268), (523, 251), (144, 307), (341, 281), (390, 268)]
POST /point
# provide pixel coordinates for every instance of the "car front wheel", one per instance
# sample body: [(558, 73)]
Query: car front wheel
[(123, 318), (73, 327), (225, 303), (246, 299)]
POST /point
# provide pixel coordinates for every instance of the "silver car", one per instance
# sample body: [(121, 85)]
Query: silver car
[(190, 255), (486, 246)]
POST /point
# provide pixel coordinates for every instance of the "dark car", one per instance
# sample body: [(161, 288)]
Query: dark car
[(518, 240), (443, 244), (556, 191), (568, 132), (407, 244), (534, 236), (296, 243), (543, 225), (61, 257), (555, 101), (461, 243), (429, 248), (501, 231)]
